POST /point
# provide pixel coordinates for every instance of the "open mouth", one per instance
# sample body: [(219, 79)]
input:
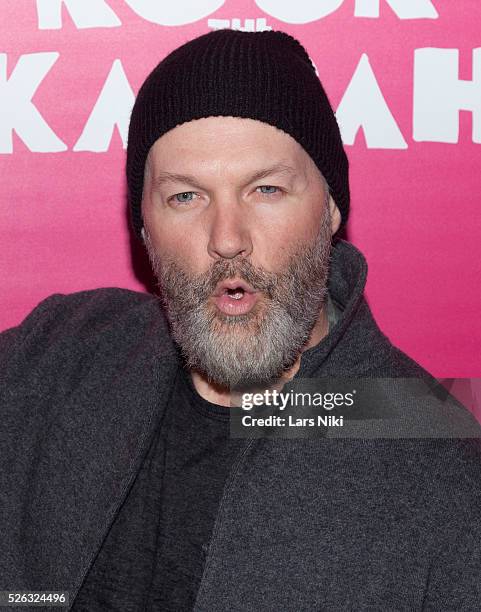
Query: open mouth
[(235, 294), (235, 297)]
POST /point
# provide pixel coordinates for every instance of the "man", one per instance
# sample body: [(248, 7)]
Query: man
[(121, 482)]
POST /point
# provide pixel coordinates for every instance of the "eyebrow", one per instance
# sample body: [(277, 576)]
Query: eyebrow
[(169, 177)]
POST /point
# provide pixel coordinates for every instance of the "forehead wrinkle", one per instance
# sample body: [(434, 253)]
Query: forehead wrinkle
[(164, 177)]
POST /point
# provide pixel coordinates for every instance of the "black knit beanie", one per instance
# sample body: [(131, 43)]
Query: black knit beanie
[(265, 75)]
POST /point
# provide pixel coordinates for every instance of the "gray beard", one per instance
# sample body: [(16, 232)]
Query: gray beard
[(255, 348)]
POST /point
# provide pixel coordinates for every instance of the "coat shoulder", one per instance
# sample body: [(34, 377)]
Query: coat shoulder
[(393, 362), (116, 314)]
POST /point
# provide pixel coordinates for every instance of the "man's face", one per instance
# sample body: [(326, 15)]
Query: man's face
[(233, 199)]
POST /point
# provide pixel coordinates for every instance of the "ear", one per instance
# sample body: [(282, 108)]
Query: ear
[(335, 216)]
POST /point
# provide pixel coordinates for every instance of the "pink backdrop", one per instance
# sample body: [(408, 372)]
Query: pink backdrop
[(404, 76)]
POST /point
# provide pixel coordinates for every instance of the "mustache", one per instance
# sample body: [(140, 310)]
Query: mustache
[(204, 285), (177, 284), (259, 279)]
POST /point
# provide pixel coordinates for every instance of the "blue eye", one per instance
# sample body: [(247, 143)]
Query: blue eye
[(181, 195), (185, 197), (268, 187)]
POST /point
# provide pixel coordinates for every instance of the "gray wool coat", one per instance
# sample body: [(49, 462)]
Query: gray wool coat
[(325, 524)]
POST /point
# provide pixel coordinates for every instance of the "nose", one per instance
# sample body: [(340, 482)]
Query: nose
[(229, 234)]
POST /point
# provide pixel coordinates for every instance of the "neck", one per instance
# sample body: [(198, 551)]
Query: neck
[(222, 396)]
